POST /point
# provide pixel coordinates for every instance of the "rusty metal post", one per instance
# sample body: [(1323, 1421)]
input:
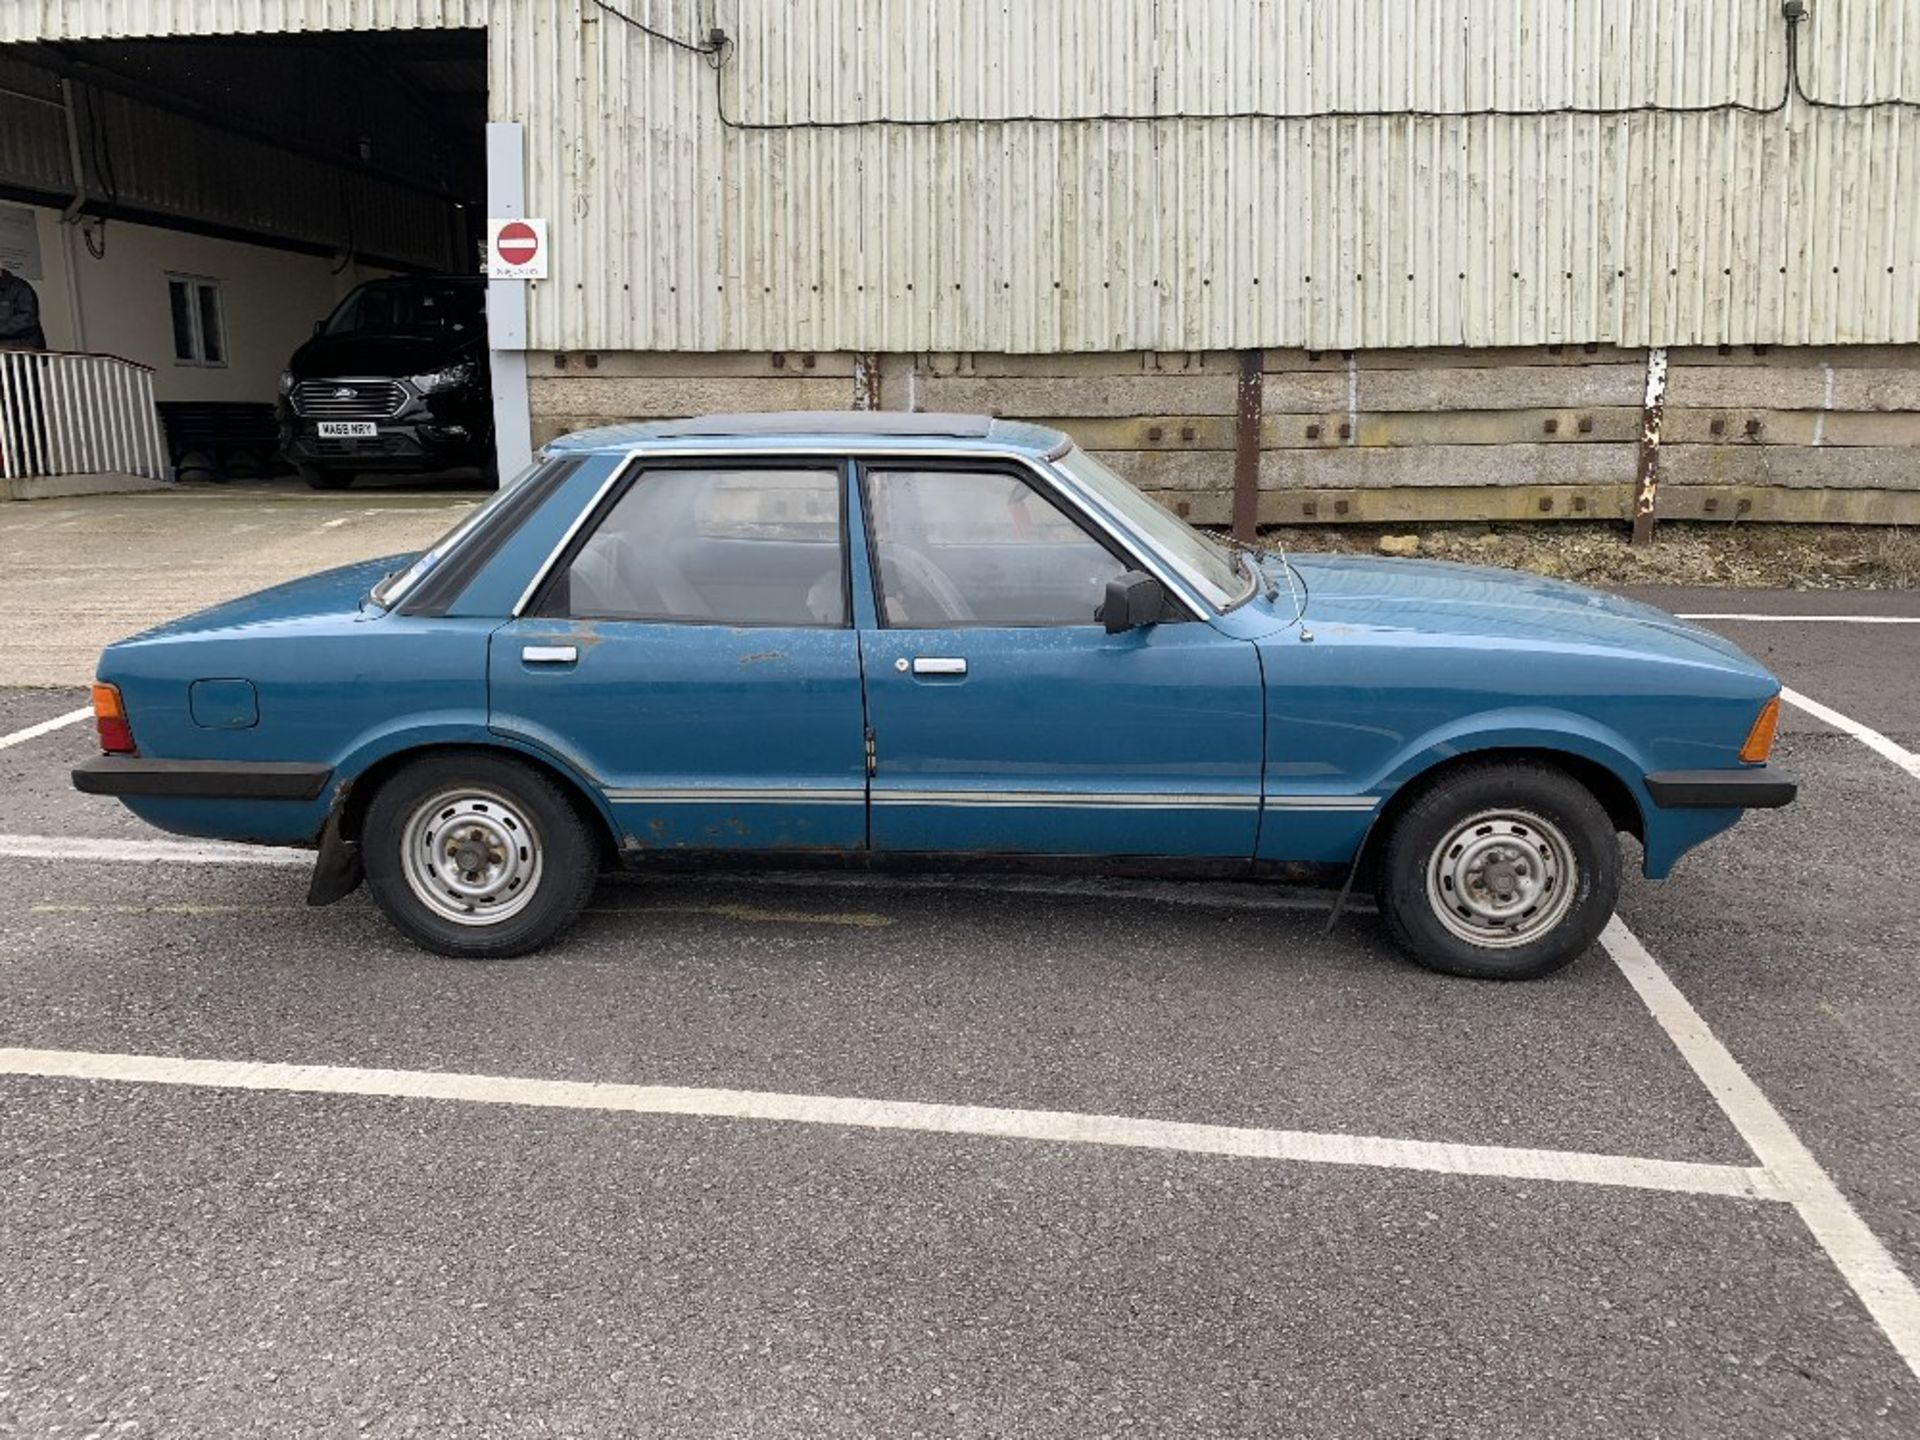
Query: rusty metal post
[(1646, 489), (866, 380), (1246, 447)]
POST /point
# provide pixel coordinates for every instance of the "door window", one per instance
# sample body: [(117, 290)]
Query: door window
[(960, 547), (715, 547)]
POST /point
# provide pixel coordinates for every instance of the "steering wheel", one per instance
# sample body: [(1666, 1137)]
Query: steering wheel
[(919, 573)]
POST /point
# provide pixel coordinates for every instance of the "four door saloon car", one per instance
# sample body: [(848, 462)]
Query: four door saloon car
[(914, 639)]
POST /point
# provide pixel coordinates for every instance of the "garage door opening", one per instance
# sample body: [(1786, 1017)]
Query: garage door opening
[(254, 237)]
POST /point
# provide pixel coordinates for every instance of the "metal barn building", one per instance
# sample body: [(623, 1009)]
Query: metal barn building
[(1374, 260)]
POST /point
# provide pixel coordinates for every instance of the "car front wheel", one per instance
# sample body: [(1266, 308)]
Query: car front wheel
[(1506, 870), (477, 856)]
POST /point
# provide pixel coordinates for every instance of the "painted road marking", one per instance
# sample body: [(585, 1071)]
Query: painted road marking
[(1812, 619), (147, 852), (46, 727), (1046, 1126), (1872, 739), (752, 914), (1875, 1277), (1226, 894)]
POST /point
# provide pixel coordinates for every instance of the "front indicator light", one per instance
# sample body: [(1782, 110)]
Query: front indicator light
[(110, 719), (1760, 738)]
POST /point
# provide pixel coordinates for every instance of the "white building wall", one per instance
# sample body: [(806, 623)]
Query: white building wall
[(118, 304)]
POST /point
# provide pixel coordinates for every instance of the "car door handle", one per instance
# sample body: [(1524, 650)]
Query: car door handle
[(939, 665), (549, 654)]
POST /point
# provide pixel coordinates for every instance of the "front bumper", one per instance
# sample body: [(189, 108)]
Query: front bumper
[(400, 445), (1760, 787), (200, 779)]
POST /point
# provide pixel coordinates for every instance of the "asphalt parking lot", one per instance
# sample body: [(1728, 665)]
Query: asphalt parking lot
[(748, 1157)]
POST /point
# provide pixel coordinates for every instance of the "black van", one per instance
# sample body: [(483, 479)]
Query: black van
[(395, 380)]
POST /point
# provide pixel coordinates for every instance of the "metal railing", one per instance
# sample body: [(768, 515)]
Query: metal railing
[(68, 413)]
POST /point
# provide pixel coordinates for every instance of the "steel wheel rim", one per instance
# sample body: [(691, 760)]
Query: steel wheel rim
[(1502, 879), (471, 856)]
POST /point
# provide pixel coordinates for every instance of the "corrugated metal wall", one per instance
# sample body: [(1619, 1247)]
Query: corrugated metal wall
[(674, 232), (131, 19)]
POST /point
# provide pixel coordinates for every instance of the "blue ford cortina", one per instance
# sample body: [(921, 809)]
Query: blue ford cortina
[(929, 640)]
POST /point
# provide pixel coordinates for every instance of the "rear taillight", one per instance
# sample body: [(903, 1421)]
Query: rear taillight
[(110, 719)]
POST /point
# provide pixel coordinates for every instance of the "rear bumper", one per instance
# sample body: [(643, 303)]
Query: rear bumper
[(200, 779), (1759, 788)]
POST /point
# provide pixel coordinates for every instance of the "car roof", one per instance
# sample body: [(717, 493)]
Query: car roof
[(841, 429)]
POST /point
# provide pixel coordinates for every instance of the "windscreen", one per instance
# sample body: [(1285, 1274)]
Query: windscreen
[(1203, 560), (410, 307)]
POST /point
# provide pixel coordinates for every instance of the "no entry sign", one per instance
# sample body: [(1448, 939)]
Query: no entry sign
[(516, 249)]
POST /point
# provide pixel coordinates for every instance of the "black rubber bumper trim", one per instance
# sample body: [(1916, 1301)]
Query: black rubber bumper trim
[(1761, 788), (200, 779)]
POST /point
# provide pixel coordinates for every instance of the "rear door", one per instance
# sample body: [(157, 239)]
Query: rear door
[(1006, 719), (693, 654)]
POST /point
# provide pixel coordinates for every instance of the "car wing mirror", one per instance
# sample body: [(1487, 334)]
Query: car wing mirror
[(1133, 600), (318, 326)]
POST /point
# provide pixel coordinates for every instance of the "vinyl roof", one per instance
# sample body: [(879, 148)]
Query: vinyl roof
[(796, 428), (832, 422)]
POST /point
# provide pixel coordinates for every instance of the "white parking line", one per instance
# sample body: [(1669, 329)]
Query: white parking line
[(1872, 739), (1810, 619), (1047, 1126), (146, 852), (46, 727), (1875, 1277)]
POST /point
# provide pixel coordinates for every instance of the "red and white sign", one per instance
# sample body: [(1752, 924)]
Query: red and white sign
[(516, 249)]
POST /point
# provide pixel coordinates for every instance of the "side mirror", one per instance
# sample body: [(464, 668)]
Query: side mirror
[(1133, 600), (318, 326)]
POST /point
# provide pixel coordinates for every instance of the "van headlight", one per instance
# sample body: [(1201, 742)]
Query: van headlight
[(451, 378)]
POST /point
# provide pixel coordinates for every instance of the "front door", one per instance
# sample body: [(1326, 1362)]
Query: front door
[(694, 656), (1007, 720)]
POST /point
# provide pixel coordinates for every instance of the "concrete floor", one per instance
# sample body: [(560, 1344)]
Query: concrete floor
[(78, 574)]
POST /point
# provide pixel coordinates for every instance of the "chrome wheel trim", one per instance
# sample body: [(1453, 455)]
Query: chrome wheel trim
[(471, 856), (1502, 879)]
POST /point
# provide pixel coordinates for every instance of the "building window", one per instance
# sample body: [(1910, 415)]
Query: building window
[(199, 321)]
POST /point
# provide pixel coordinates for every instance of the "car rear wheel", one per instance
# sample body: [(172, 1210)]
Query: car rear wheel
[(326, 479), (1501, 871), (477, 856)]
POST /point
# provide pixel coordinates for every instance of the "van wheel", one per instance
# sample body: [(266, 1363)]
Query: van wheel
[(326, 479), (1505, 870), (477, 856)]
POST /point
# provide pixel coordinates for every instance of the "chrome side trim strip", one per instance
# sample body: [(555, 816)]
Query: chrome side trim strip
[(852, 795), (1323, 802), (1067, 799), (994, 799)]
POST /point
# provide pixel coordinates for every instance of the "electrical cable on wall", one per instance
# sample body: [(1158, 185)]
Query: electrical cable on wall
[(101, 153), (719, 48)]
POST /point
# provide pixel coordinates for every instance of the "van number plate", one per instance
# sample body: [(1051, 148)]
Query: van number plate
[(348, 430)]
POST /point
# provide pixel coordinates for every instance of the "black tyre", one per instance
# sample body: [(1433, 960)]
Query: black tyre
[(477, 856), (1505, 870), (326, 479)]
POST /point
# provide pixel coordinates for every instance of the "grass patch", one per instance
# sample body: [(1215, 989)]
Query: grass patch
[(1789, 557)]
